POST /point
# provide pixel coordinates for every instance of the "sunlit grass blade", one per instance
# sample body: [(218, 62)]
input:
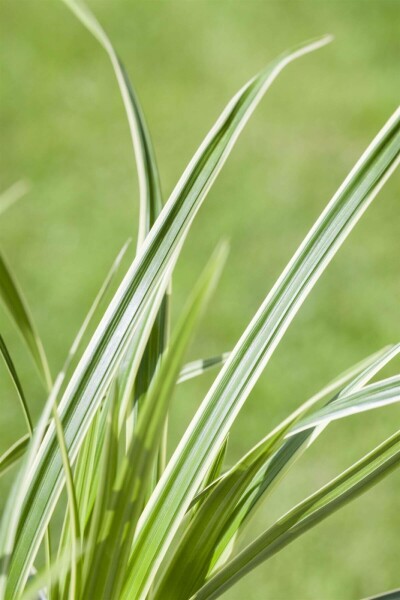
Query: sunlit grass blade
[(11, 514), (200, 366), (36, 588), (229, 500), (75, 537), (392, 595), (112, 551), (215, 472), (134, 357), (292, 449), (14, 453), (231, 388), (13, 509), (105, 286), (193, 556), (18, 309), (17, 383), (365, 368), (149, 192), (23, 320), (13, 194), (105, 489), (88, 465), (111, 340), (18, 448), (149, 183), (376, 395), (346, 487)]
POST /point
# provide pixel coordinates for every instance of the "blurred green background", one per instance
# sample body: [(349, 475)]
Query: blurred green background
[(63, 128)]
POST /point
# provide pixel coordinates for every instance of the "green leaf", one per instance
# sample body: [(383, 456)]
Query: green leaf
[(105, 488), (392, 595), (18, 310), (229, 501), (198, 448), (14, 453), (37, 583), (349, 485), (352, 380), (193, 556), (18, 448), (376, 395), (188, 371), (151, 268), (13, 509), (149, 189), (75, 538), (105, 286), (149, 183), (107, 569), (15, 379), (200, 366)]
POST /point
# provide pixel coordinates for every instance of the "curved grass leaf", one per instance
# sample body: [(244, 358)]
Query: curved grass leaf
[(200, 366), (36, 588), (107, 570), (75, 546), (293, 447), (16, 381), (149, 182), (14, 453), (105, 488), (18, 448), (12, 513), (349, 485), (18, 309), (376, 395), (231, 388), (369, 365), (111, 340), (188, 371), (392, 595), (149, 191), (22, 483), (216, 523)]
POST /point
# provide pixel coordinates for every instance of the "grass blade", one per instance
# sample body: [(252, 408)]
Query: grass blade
[(18, 310), (200, 366), (228, 503), (109, 562), (149, 183), (16, 381), (149, 189), (111, 340), (19, 447), (372, 396), (349, 485), (392, 595), (352, 380), (14, 453), (219, 409)]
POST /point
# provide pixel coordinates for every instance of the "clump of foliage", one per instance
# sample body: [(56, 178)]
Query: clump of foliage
[(138, 526)]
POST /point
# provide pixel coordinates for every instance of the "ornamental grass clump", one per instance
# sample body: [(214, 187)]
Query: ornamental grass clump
[(136, 525)]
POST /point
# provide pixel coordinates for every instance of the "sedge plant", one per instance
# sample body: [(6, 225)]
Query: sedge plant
[(137, 526)]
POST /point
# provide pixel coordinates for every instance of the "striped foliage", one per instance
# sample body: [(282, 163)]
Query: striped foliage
[(139, 525)]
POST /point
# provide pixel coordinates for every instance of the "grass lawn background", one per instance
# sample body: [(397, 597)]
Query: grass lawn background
[(63, 128)]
